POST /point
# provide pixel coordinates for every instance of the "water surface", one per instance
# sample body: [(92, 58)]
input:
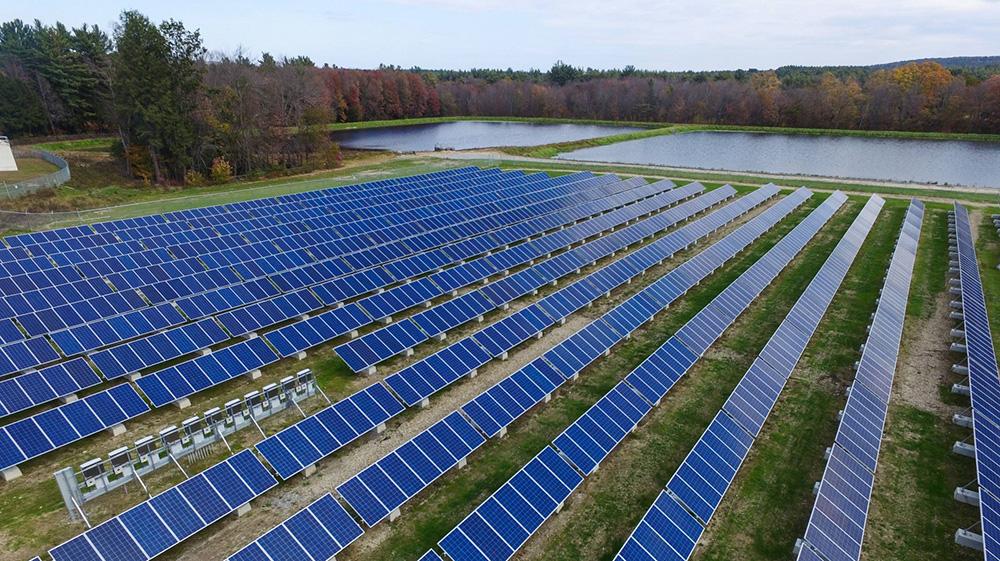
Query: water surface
[(463, 135), (975, 164)]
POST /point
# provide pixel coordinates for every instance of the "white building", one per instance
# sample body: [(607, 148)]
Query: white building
[(7, 162)]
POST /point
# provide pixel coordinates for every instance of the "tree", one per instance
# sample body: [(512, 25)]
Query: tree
[(156, 84), (562, 73)]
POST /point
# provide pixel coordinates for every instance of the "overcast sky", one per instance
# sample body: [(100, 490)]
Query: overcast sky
[(674, 35)]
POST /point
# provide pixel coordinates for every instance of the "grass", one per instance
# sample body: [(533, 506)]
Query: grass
[(102, 144), (439, 509), (768, 506), (27, 168)]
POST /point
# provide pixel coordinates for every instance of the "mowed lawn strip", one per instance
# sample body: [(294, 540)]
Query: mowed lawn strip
[(437, 510), (611, 502)]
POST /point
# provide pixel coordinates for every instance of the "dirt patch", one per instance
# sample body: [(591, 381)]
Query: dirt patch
[(925, 361)]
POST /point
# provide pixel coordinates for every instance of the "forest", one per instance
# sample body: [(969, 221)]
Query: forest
[(180, 113)]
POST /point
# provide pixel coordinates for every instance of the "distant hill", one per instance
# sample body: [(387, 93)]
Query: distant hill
[(950, 62)]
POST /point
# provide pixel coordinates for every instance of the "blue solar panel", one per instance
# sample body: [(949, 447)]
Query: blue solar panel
[(388, 483), (492, 531), (307, 441), (46, 431), (319, 531)]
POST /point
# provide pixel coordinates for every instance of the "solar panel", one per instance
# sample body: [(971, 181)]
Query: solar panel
[(502, 523), (36, 435), (318, 532), (319, 435), (20, 393), (384, 486)]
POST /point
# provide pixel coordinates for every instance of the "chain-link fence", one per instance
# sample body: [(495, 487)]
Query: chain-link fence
[(20, 188)]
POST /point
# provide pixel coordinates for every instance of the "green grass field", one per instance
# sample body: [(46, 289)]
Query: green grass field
[(27, 168)]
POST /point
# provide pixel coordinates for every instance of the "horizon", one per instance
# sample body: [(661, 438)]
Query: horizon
[(689, 37)]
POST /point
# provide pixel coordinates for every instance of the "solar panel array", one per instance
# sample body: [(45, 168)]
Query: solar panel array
[(498, 527), (671, 527), (984, 383), (156, 525), (366, 351), (301, 445), (386, 485), (591, 438), (839, 516), (172, 384), (420, 380), (509, 207)]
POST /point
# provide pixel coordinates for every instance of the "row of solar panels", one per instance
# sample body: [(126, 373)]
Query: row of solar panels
[(189, 377), (100, 234), (345, 421), (112, 367), (839, 516), (493, 532), (984, 382), (387, 484), (672, 526)]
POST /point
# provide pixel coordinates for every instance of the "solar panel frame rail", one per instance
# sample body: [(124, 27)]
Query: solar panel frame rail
[(674, 523), (837, 522)]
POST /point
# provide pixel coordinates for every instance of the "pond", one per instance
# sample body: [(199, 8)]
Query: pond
[(974, 164), (463, 135)]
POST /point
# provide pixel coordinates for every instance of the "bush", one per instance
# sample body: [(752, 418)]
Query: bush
[(221, 171), (193, 178)]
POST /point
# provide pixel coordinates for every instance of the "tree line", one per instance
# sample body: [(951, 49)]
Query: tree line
[(182, 114)]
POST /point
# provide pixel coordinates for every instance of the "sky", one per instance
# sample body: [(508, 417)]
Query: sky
[(523, 34)]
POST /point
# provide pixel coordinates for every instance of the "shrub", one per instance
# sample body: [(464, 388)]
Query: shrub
[(193, 178), (221, 171)]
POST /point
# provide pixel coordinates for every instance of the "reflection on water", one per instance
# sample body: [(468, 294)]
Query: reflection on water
[(924, 161), (462, 135)]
